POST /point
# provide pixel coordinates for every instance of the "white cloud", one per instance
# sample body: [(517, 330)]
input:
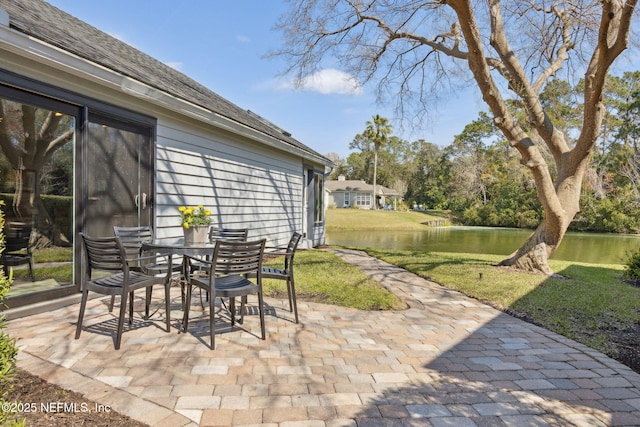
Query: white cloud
[(329, 81), (243, 39)]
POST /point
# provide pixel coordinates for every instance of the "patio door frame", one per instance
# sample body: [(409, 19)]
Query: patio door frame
[(313, 199), (127, 119), (140, 194)]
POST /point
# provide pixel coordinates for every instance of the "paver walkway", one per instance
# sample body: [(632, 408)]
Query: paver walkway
[(447, 360)]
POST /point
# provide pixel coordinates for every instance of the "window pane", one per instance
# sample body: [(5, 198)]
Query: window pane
[(319, 197)]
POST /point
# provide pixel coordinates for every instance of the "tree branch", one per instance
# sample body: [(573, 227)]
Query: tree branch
[(531, 156), (58, 142), (613, 38)]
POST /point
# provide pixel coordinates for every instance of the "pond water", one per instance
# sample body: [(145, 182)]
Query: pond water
[(579, 247)]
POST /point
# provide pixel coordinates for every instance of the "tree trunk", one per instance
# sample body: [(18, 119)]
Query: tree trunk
[(28, 206), (48, 232), (535, 252), (560, 197), (375, 177)]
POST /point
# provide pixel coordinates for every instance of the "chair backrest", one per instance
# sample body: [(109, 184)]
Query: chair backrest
[(228, 234), (132, 238), (231, 257), (103, 253), (291, 250), (17, 236)]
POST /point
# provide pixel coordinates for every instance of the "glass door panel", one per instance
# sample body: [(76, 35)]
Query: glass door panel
[(119, 187), (37, 142)]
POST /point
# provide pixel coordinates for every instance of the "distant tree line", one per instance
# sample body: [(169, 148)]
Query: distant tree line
[(479, 178)]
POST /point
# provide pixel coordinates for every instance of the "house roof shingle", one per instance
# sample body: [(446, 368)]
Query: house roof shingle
[(49, 24), (355, 185)]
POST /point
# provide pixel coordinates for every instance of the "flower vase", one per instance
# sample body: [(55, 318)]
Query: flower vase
[(196, 234)]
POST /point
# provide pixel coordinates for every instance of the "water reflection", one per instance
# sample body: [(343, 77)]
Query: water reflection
[(580, 247)]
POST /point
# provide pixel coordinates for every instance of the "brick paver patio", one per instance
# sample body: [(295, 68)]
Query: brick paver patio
[(447, 360)]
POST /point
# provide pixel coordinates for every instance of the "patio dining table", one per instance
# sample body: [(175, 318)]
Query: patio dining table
[(176, 246)]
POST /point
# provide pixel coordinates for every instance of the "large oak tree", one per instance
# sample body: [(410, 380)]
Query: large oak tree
[(411, 49)]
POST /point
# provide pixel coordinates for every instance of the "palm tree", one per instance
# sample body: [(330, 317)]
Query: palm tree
[(378, 132)]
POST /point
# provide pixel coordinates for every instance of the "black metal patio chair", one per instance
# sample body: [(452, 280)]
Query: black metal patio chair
[(124, 275), (132, 239), (17, 250), (228, 266), (228, 234), (215, 234), (286, 272)]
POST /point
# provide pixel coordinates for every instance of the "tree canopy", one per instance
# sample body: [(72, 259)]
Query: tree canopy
[(479, 178), (511, 49)]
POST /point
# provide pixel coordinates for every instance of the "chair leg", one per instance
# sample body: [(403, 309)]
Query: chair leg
[(112, 303), (201, 302), (261, 310), (232, 310), (33, 276), (123, 310), (243, 303), (130, 308), (187, 305), (212, 322), (147, 301), (167, 304), (83, 305), (293, 303)]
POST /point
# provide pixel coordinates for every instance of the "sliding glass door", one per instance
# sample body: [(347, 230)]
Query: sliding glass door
[(67, 167)]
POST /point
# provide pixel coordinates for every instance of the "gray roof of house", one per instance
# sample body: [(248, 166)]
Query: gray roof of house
[(45, 22), (355, 185)]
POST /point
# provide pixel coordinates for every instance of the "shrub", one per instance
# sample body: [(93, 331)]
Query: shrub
[(8, 349), (529, 219), (632, 267)]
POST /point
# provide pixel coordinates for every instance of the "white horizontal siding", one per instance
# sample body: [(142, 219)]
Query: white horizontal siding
[(337, 199), (244, 184)]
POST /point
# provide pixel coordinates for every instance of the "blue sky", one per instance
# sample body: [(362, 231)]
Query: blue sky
[(222, 44)]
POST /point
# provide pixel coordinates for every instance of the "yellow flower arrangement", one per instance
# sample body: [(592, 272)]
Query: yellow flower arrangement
[(194, 216)]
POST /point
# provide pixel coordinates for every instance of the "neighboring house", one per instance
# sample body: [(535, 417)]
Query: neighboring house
[(111, 136), (352, 193)]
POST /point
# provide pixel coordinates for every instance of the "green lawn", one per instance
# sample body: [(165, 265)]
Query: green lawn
[(322, 276), (364, 219), (593, 305)]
